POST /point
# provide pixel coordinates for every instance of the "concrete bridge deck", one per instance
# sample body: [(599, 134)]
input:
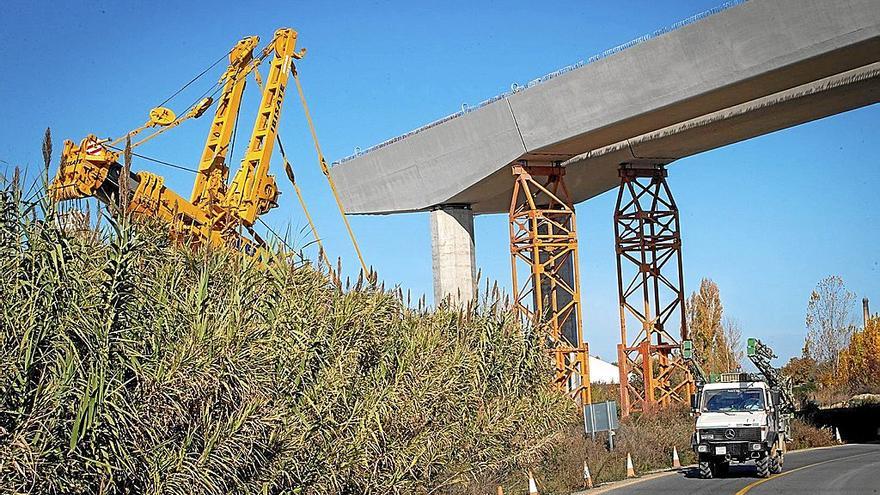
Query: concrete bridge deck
[(748, 70)]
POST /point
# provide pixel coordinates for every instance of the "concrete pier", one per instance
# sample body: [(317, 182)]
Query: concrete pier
[(452, 253)]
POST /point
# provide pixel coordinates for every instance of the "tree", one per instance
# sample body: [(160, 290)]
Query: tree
[(704, 319), (859, 364), (804, 374), (733, 336), (829, 320)]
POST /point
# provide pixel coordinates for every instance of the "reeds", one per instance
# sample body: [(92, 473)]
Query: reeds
[(130, 365)]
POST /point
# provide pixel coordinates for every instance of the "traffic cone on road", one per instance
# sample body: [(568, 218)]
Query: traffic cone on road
[(837, 435), (588, 480), (676, 463), (533, 487), (499, 490), (630, 472)]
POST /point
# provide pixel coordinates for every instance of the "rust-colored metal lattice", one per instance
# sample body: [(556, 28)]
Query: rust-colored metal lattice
[(651, 291), (543, 247)]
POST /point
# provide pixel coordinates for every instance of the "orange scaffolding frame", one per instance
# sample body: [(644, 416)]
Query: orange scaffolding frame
[(646, 226), (543, 241)]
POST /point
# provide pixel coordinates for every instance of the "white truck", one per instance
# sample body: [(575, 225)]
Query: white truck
[(741, 417)]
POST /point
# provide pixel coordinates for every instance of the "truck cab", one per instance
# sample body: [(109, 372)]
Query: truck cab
[(738, 419)]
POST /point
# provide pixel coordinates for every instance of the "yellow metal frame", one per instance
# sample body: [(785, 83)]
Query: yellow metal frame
[(543, 240), (210, 183), (253, 190)]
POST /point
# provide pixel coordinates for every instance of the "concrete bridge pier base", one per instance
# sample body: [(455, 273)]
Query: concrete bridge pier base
[(452, 253)]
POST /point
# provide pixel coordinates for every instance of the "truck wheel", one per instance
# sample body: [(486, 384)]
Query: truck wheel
[(763, 465), (706, 469), (776, 463)]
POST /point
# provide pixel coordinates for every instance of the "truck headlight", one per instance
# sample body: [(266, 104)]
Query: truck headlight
[(756, 446), (702, 448)]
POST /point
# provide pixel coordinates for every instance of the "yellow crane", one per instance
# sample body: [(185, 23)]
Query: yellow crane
[(217, 213)]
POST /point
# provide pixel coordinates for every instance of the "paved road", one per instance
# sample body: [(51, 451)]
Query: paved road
[(849, 469)]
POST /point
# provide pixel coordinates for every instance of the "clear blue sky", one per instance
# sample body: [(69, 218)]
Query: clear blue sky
[(766, 219)]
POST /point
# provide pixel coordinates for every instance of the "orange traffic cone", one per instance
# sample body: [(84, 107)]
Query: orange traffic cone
[(533, 487), (676, 463), (588, 480), (499, 490), (630, 472)]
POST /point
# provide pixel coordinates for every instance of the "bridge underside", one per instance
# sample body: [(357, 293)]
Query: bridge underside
[(595, 172), (746, 71)]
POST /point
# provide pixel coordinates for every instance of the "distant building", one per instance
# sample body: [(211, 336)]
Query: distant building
[(603, 372)]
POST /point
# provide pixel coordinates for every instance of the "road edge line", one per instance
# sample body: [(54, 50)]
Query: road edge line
[(746, 489), (614, 485)]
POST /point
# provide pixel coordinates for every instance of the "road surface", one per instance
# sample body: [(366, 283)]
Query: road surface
[(849, 469)]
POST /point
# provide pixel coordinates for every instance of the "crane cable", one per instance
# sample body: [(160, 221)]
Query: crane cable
[(156, 160), (194, 79), (288, 169), (326, 172)]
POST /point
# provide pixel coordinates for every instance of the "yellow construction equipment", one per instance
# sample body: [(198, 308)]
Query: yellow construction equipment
[(216, 214)]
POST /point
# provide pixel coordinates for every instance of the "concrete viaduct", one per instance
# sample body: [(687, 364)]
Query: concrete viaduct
[(747, 70)]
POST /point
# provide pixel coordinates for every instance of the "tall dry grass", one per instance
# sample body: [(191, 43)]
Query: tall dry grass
[(128, 365)]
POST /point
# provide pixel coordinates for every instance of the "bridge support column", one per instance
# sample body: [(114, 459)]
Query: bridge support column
[(544, 263), (651, 291), (452, 253)]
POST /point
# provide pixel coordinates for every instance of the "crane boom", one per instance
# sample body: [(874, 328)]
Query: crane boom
[(760, 354), (214, 214), (687, 352), (213, 172), (253, 190)]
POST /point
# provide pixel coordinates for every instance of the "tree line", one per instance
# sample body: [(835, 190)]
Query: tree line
[(839, 358)]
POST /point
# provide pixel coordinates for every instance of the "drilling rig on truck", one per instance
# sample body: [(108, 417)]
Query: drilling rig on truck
[(218, 212), (741, 417)]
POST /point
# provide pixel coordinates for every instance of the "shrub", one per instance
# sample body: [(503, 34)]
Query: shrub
[(648, 438), (805, 435)]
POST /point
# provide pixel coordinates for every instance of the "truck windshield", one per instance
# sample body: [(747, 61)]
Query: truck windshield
[(733, 400)]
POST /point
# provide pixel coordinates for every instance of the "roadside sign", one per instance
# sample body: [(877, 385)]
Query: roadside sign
[(600, 416)]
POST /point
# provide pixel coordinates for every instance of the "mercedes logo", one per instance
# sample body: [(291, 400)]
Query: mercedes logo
[(729, 434)]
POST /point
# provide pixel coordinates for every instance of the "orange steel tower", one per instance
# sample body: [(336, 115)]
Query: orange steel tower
[(651, 291), (543, 243)]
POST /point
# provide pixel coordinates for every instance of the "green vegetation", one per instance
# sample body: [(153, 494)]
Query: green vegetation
[(128, 365)]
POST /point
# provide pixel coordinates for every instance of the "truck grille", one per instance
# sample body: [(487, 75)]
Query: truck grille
[(739, 434)]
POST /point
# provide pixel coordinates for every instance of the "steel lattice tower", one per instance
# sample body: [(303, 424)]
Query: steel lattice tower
[(543, 244), (651, 291)]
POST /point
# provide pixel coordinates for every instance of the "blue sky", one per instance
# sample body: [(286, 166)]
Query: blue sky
[(766, 219)]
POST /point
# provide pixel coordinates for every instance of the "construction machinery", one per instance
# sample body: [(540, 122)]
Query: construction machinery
[(217, 213), (741, 417)]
